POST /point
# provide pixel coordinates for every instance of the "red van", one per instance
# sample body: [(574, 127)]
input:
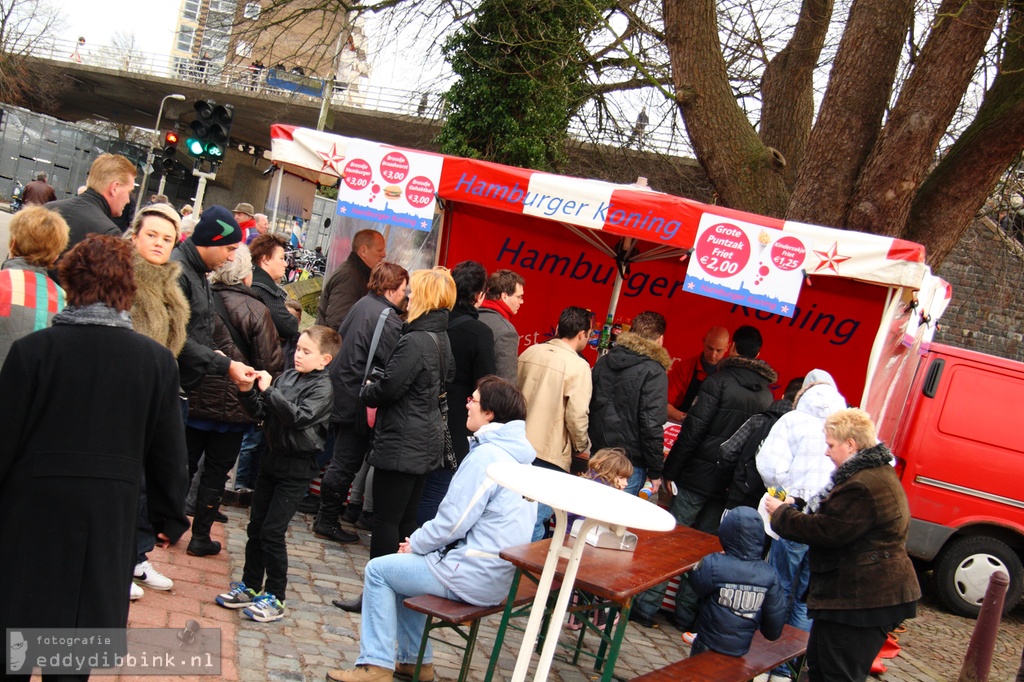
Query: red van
[(960, 457)]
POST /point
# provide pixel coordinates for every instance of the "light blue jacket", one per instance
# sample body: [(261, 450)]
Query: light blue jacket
[(478, 518)]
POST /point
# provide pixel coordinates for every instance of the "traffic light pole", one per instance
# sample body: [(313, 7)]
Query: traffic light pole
[(197, 208)]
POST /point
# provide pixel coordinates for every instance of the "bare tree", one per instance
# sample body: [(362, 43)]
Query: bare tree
[(122, 52), (24, 24)]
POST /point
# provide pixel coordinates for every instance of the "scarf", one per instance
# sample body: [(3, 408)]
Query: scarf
[(498, 306), (99, 314), (868, 458)]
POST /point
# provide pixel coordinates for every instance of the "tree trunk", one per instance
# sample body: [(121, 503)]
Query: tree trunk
[(787, 87), (851, 111), (950, 197), (743, 170), (926, 105)]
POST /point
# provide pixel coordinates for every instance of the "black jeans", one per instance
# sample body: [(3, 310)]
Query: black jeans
[(350, 450), (837, 652), (280, 485), (396, 497), (221, 452)]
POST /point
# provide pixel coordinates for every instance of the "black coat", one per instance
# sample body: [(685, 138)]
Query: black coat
[(342, 289), (408, 434), (85, 214), (87, 410), (296, 410), (473, 348), (727, 398), (348, 368), (629, 405), (197, 358), (274, 297), (216, 397)]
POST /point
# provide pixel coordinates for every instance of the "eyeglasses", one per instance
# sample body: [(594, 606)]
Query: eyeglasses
[(471, 399)]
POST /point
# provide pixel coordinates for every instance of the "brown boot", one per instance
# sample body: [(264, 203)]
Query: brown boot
[(362, 673), (404, 671)]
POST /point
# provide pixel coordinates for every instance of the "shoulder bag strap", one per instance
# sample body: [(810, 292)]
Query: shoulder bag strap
[(376, 338), (444, 371)]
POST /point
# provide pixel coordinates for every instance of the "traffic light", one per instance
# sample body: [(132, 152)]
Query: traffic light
[(211, 130), (170, 151)]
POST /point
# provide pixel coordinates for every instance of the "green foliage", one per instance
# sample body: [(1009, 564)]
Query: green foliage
[(521, 67)]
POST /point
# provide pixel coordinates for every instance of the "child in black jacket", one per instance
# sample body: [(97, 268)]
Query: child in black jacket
[(739, 593), (296, 412)]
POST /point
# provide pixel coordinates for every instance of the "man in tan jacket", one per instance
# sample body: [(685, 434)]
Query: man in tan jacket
[(556, 383)]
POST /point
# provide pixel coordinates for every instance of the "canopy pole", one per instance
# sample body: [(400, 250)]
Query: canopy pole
[(277, 196)]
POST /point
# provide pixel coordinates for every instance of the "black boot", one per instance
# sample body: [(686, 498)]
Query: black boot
[(207, 504), (352, 605), (326, 524)]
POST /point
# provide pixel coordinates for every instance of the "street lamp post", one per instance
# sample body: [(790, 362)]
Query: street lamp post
[(152, 145)]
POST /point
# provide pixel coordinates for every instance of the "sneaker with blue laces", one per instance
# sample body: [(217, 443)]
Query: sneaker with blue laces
[(238, 597), (266, 609)]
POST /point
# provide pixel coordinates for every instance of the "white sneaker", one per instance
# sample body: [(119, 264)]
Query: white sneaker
[(146, 575), (136, 592)]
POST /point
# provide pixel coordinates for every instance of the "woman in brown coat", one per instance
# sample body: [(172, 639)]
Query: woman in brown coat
[(862, 581)]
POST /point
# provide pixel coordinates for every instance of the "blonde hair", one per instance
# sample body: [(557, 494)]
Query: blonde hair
[(108, 169), (38, 235), (610, 464), (162, 210), (431, 290), (234, 271), (852, 423)]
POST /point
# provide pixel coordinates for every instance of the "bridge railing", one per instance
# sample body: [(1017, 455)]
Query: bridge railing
[(360, 94)]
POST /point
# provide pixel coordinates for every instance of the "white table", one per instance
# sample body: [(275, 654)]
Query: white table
[(599, 505)]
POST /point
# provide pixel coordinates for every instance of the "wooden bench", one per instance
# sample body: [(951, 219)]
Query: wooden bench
[(714, 667), (456, 615)]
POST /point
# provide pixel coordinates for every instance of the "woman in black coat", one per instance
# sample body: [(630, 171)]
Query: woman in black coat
[(473, 348), (408, 435), (68, 563)]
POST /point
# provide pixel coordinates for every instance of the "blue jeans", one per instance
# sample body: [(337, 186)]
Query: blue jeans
[(253, 449), (436, 487), (636, 481), (544, 512), (789, 559), (388, 581)]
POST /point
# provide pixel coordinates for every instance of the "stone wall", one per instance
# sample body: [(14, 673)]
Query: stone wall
[(986, 270)]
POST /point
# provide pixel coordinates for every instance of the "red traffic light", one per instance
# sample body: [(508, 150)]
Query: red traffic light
[(171, 138)]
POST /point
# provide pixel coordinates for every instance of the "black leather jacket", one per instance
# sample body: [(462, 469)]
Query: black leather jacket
[(296, 412)]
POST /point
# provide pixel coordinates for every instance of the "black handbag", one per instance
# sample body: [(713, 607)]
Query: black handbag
[(448, 461)]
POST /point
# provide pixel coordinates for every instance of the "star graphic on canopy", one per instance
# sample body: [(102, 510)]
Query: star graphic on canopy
[(423, 224), (785, 309), (332, 159), (341, 209), (690, 286), (830, 259)]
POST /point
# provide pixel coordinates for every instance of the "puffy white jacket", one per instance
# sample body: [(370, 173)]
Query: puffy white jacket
[(478, 518), (792, 457)]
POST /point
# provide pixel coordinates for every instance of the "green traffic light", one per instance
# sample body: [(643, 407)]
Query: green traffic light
[(214, 151), (195, 147)]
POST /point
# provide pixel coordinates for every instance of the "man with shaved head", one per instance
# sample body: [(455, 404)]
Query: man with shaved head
[(686, 376)]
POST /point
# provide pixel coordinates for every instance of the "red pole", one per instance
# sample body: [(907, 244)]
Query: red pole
[(978, 661)]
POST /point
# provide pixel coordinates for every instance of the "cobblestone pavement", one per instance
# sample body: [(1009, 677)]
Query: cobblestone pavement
[(315, 637)]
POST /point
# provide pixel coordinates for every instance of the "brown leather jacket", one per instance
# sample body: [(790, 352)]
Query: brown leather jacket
[(216, 397), (857, 542)]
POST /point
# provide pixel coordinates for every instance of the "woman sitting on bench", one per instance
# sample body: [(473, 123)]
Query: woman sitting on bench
[(862, 581), (455, 555)]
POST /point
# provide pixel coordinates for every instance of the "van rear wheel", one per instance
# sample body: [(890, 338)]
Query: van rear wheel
[(964, 567)]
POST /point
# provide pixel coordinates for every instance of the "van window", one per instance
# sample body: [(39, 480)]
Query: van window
[(983, 407)]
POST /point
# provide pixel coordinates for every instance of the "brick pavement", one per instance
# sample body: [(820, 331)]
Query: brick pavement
[(315, 636)]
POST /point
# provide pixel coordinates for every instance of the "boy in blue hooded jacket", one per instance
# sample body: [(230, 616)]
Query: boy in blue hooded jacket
[(739, 593)]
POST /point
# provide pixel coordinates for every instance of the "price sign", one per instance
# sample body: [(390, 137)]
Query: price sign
[(788, 254), (723, 250), (394, 167), (420, 191), (358, 174)]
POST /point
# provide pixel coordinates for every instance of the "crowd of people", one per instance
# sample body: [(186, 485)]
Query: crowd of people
[(405, 389)]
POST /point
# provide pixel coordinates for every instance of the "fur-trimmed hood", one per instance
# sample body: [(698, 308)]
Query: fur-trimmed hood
[(640, 346), (160, 310), (759, 367)]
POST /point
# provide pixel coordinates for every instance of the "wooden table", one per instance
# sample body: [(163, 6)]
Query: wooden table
[(613, 576)]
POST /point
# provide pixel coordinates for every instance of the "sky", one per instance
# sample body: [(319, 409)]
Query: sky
[(153, 22)]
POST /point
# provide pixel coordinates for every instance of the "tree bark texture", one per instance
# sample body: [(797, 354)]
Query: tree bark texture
[(926, 105), (787, 87), (743, 170), (950, 197), (851, 112)]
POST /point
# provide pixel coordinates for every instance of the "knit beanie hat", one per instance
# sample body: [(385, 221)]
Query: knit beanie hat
[(216, 227)]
